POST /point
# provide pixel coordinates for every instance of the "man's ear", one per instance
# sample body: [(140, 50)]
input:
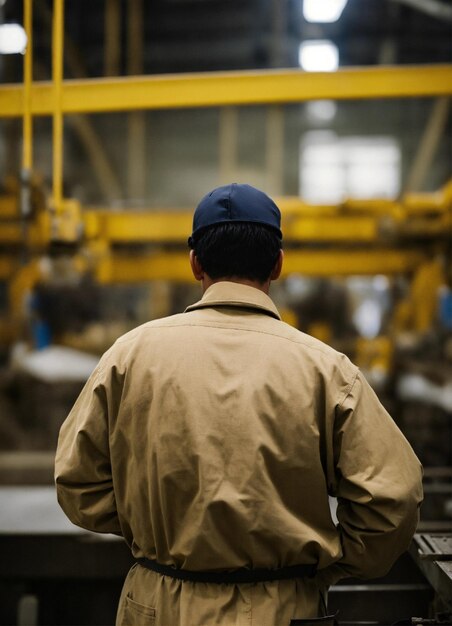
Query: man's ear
[(278, 266), (195, 265)]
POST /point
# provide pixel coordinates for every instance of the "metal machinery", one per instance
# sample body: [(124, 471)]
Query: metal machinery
[(410, 236)]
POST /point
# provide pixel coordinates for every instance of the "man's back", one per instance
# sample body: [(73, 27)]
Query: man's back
[(224, 411), (226, 429), (211, 441)]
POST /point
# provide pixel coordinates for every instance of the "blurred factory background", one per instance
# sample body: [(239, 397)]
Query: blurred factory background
[(115, 119)]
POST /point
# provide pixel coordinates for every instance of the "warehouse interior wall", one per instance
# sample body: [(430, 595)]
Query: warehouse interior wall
[(364, 184)]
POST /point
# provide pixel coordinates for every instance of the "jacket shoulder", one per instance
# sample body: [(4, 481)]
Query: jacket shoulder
[(309, 342), (320, 354), (125, 344), (138, 332)]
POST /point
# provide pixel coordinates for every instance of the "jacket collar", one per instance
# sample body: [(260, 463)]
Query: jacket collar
[(226, 293)]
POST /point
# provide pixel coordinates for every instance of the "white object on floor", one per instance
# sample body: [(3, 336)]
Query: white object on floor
[(57, 364)]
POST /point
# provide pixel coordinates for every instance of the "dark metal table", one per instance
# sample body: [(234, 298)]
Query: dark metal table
[(52, 572), (432, 553)]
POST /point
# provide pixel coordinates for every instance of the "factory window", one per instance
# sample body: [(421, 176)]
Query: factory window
[(333, 168)]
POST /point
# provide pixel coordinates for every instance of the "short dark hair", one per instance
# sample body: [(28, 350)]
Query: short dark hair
[(241, 249)]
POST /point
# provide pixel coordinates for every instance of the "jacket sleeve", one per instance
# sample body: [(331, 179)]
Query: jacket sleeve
[(83, 473), (378, 483)]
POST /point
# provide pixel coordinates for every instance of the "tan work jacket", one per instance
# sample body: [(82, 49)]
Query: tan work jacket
[(211, 439)]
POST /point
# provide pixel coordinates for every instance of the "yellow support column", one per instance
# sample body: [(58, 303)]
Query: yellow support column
[(27, 151), (27, 123), (65, 216), (57, 77)]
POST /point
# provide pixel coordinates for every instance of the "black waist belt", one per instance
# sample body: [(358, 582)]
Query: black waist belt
[(230, 578)]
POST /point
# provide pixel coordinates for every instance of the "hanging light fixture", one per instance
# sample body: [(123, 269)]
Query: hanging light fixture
[(13, 39), (323, 10)]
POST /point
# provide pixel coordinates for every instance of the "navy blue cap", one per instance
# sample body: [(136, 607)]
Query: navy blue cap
[(236, 203)]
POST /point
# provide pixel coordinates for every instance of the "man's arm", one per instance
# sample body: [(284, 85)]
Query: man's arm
[(82, 466), (378, 483)]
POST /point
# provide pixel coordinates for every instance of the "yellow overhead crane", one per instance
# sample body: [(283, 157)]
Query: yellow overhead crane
[(355, 237), (384, 233)]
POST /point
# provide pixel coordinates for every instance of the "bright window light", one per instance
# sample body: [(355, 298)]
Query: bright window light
[(321, 111), (13, 39), (323, 10), (368, 318), (334, 168), (319, 55)]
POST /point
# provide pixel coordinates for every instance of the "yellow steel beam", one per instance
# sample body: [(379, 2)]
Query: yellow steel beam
[(351, 262), (129, 269), (152, 227), (132, 227), (174, 227), (338, 229), (301, 224), (174, 265), (230, 88)]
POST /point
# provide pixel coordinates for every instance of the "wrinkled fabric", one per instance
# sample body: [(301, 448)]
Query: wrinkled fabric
[(211, 440)]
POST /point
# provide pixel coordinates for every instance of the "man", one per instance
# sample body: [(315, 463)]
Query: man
[(210, 440)]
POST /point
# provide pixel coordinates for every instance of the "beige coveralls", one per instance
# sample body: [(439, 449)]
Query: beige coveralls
[(210, 440)]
